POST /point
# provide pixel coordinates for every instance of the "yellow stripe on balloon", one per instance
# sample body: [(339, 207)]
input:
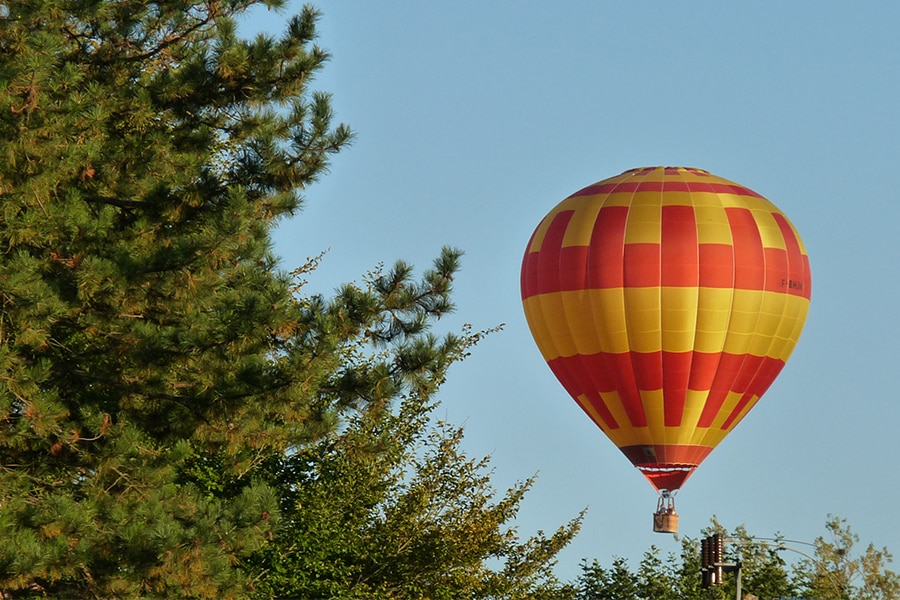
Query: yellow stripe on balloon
[(769, 232), (694, 402), (588, 407), (579, 326), (644, 218), (713, 315), (712, 223), (678, 310), (654, 409), (642, 312), (581, 226)]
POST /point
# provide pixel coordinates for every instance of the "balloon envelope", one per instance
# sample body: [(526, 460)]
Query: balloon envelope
[(666, 300)]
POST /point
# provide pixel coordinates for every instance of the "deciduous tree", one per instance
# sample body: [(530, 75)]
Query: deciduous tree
[(834, 572), (391, 507), (837, 571)]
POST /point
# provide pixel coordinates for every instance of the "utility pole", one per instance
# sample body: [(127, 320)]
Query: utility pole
[(713, 565)]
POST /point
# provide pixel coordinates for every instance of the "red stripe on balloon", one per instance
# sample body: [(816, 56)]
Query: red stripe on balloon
[(762, 378), (679, 261), (740, 374), (677, 369), (727, 371), (679, 254), (628, 373), (540, 270), (589, 374), (777, 273), (648, 369), (703, 370), (596, 402), (716, 265), (528, 278), (641, 265), (749, 258), (799, 279), (607, 249)]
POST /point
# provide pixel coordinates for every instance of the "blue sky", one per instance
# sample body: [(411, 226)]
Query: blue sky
[(474, 119)]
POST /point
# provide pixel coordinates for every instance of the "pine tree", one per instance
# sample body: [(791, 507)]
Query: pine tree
[(146, 332), (179, 419)]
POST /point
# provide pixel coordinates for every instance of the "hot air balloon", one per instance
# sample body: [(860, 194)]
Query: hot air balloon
[(666, 300)]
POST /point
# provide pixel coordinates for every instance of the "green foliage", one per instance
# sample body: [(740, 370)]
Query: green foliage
[(831, 573), (837, 572), (765, 571), (655, 578), (147, 152), (179, 419), (411, 517), (389, 506), (614, 583)]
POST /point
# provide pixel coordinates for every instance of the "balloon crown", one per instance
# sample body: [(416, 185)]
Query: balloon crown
[(668, 170)]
